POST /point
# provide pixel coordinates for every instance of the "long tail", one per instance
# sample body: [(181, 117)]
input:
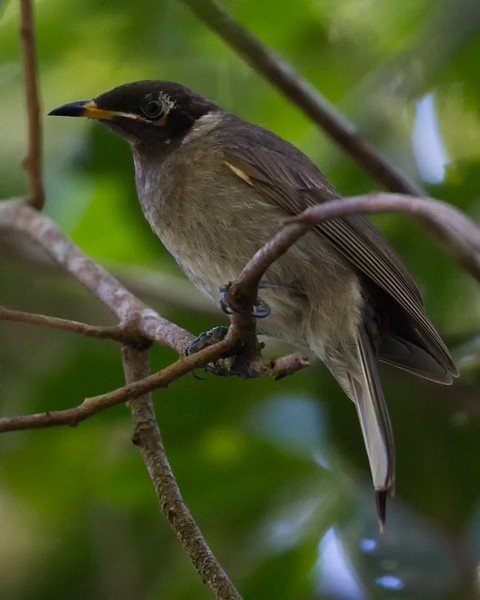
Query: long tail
[(362, 385)]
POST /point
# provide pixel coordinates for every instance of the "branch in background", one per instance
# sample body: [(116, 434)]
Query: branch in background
[(276, 70), (33, 160), (147, 436), (131, 312)]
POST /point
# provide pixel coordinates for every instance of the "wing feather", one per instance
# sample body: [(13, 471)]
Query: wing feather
[(281, 173)]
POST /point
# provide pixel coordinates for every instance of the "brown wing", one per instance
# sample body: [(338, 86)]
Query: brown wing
[(280, 172)]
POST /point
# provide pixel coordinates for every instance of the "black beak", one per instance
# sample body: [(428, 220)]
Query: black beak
[(74, 109), (86, 108)]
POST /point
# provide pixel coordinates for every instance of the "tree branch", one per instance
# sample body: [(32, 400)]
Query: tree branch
[(96, 404), (33, 160), (458, 235), (147, 282), (282, 75), (133, 314), (147, 436), (116, 332)]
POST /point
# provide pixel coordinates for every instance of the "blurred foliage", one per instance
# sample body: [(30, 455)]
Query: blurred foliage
[(275, 473)]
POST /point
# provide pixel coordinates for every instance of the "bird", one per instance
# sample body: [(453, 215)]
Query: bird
[(215, 188)]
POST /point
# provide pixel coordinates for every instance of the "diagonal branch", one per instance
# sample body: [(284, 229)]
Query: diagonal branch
[(147, 436), (33, 160), (281, 367), (137, 322), (458, 235), (96, 404), (131, 312), (283, 76)]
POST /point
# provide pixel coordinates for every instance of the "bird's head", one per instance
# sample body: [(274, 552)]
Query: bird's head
[(148, 113)]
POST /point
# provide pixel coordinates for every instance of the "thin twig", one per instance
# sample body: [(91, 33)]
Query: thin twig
[(276, 369), (287, 365), (96, 404), (282, 75), (115, 332), (147, 436), (33, 160)]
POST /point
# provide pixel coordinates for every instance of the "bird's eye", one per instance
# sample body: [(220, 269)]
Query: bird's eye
[(153, 109)]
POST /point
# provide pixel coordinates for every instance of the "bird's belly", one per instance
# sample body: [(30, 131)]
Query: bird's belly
[(212, 226)]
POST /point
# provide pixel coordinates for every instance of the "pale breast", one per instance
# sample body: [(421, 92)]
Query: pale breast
[(212, 223)]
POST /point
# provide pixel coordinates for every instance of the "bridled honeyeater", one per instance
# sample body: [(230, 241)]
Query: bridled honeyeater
[(215, 188)]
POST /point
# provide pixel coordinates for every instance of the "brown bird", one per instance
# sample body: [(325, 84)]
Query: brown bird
[(215, 188)]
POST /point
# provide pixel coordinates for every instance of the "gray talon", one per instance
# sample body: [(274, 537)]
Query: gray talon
[(207, 338)]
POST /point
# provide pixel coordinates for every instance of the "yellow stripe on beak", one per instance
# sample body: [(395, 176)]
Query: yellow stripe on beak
[(87, 108), (91, 111)]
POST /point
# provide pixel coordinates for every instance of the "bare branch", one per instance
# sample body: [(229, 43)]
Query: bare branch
[(132, 313), (137, 321), (147, 436), (33, 160), (282, 75), (149, 283), (116, 332), (96, 404)]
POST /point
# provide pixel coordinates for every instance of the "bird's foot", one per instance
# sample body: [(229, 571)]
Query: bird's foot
[(235, 363), (260, 311), (207, 338)]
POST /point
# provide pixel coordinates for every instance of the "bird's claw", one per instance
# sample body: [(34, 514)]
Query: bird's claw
[(207, 338), (261, 310)]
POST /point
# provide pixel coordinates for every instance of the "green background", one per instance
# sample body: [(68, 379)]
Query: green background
[(274, 472)]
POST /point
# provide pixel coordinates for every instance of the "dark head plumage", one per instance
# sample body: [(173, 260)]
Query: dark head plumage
[(145, 112)]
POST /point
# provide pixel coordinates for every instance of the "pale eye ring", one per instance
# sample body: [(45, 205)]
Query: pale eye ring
[(153, 109)]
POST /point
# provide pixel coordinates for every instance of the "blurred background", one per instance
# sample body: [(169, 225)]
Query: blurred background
[(275, 473)]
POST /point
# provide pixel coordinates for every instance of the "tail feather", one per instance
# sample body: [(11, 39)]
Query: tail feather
[(362, 385), (381, 503)]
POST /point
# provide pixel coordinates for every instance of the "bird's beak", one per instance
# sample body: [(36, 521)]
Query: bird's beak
[(87, 108)]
